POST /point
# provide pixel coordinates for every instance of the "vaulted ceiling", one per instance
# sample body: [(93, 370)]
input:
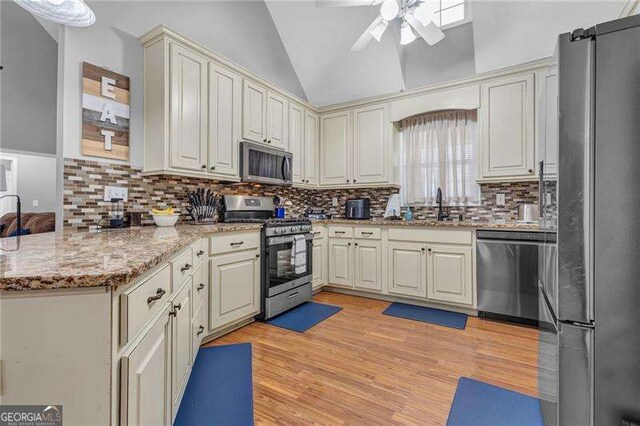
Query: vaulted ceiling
[(501, 34)]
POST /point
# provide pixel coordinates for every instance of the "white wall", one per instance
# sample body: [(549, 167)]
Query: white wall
[(242, 31), (36, 180)]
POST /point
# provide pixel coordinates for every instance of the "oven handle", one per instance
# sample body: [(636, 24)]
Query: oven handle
[(271, 241)]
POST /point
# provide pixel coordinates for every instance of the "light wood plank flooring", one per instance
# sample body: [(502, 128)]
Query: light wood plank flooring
[(362, 367)]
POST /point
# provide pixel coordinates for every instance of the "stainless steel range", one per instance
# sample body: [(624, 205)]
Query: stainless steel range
[(286, 252)]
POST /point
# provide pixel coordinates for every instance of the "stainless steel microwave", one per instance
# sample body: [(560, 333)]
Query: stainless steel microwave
[(261, 164)]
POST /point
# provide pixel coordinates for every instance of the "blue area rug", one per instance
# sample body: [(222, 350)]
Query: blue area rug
[(305, 316), (433, 316), (220, 389), (480, 404)]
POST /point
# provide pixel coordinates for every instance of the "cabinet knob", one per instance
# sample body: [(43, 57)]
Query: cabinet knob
[(177, 307), (269, 140), (349, 244), (200, 287), (213, 167), (257, 255), (356, 244), (354, 181), (204, 166), (429, 249), (422, 249), (530, 171), (264, 140), (200, 330), (348, 180)]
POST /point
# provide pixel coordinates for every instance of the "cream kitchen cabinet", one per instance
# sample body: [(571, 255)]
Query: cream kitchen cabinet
[(407, 269), (507, 129), (181, 359), (188, 106), (235, 287), (265, 116), (277, 121), (311, 147), (368, 265), (371, 144), (450, 273), (340, 262), (320, 257), (336, 148), (225, 120), (548, 120), (303, 143)]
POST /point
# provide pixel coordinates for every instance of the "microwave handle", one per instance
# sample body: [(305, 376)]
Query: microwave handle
[(285, 168)]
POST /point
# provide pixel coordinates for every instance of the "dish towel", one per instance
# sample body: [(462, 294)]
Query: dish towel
[(299, 254)]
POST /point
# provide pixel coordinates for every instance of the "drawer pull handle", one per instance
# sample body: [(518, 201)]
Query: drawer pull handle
[(236, 244), (292, 295), (200, 253), (339, 232), (367, 233), (173, 313), (317, 232), (200, 287), (159, 293), (178, 306), (186, 267), (200, 330)]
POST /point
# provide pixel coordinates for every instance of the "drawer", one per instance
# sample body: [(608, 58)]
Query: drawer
[(141, 302), (182, 268), (225, 243), (368, 233), (340, 232), (319, 232), (199, 252), (200, 286), (445, 236)]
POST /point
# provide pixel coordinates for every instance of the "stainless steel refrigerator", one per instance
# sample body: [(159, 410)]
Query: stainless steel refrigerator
[(590, 336)]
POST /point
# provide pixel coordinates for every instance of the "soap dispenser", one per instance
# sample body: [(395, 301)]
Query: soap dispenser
[(408, 216)]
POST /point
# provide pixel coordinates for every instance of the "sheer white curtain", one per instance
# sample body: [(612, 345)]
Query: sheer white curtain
[(439, 150)]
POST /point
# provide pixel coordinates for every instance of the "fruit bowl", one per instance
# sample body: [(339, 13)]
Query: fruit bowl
[(164, 220)]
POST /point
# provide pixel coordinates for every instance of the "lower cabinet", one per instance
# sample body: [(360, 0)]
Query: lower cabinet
[(368, 265), (198, 329), (145, 395), (407, 269), (450, 273), (340, 261), (235, 287), (181, 360), (319, 262)]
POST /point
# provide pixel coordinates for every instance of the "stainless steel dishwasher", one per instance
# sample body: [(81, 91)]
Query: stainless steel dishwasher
[(507, 273)]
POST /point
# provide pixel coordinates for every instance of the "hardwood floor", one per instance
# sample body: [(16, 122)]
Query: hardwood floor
[(362, 367)]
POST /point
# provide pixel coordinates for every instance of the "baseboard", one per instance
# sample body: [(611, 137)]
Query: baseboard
[(392, 298)]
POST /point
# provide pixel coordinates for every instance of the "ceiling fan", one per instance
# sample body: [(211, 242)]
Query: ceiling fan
[(416, 15)]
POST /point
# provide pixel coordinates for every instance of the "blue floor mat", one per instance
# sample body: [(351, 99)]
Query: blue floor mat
[(305, 316), (424, 314), (220, 389), (480, 404)]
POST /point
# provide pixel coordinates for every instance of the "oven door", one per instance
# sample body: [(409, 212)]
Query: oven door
[(280, 274), (265, 165)]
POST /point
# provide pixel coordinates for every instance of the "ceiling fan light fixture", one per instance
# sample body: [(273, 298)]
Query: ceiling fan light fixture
[(379, 29), (389, 9), (406, 34), (425, 12), (74, 13)]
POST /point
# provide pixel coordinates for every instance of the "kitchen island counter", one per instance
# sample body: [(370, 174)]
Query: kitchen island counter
[(534, 227)]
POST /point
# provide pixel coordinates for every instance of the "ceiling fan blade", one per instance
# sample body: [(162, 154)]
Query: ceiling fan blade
[(431, 33), (345, 3), (367, 35)]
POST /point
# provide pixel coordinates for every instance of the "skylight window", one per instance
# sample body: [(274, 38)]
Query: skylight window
[(451, 13)]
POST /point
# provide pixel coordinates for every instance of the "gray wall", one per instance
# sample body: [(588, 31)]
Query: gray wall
[(28, 99)]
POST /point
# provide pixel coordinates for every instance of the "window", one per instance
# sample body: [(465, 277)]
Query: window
[(438, 150), (450, 12)]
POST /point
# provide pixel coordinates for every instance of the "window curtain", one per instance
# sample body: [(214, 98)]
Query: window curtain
[(439, 150)]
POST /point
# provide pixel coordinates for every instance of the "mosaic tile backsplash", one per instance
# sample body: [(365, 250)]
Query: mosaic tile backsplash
[(85, 181)]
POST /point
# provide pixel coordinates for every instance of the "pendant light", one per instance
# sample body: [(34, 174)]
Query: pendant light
[(74, 13), (406, 34), (389, 10)]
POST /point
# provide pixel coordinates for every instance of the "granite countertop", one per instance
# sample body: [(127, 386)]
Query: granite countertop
[(435, 224), (71, 259)]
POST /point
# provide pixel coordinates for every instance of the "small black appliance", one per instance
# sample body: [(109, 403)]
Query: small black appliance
[(357, 208)]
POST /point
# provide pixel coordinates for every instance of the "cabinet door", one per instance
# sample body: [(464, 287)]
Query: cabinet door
[(368, 265), (371, 144), (450, 275), (311, 148), (507, 136), (548, 138), (181, 359), (198, 330), (225, 115), (235, 287), (335, 149), (277, 121), (407, 269), (340, 262), (254, 112), (188, 110), (144, 378), (319, 263), (296, 141)]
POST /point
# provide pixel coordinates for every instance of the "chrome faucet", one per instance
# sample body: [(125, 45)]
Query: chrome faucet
[(441, 214)]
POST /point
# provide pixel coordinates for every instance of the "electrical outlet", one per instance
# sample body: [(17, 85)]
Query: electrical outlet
[(548, 198), (500, 200), (36, 203), (334, 202), (111, 192)]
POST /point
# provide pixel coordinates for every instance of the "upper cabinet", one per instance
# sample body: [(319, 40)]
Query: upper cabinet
[(311, 147), (225, 127), (303, 144), (296, 142), (265, 116), (277, 121), (507, 129), (548, 120), (355, 147)]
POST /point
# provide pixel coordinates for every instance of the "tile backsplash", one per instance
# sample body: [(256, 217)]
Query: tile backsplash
[(85, 181)]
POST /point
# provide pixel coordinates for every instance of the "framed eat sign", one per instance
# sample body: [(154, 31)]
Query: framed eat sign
[(105, 113)]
